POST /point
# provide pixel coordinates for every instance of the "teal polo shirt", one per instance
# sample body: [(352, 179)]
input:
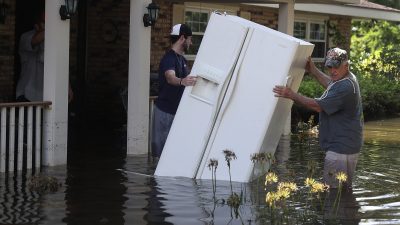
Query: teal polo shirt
[(341, 120)]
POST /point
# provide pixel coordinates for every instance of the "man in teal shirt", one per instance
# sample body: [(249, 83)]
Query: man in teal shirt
[(340, 115)]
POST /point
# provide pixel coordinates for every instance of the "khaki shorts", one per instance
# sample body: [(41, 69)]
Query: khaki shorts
[(334, 163)]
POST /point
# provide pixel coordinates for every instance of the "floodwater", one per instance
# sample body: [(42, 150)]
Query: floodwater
[(105, 187)]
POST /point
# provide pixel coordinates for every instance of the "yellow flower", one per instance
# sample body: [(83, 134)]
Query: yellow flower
[(309, 182), (283, 194), (271, 178), (287, 185), (341, 177), (318, 187), (270, 198)]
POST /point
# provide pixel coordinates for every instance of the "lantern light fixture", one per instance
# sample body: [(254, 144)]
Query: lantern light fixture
[(68, 9), (150, 18)]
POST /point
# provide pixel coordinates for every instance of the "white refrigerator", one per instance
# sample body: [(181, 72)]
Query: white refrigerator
[(232, 105)]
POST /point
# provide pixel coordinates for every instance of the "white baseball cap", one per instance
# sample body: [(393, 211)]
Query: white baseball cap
[(181, 29)]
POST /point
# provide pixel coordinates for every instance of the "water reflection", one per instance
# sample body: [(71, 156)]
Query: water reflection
[(105, 187), (382, 131), (155, 208), (341, 208), (95, 191), (18, 204), (188, 201)]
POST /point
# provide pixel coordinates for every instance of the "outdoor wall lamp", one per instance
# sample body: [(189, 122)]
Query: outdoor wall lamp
[(68, 9), (150, 18), (3, 7)]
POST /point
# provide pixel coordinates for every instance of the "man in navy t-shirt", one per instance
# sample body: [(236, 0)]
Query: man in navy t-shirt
[(173, 78), (340, 115)]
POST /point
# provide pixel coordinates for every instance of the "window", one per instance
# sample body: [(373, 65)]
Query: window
[(197, 18), (197, 21), (313, 32)]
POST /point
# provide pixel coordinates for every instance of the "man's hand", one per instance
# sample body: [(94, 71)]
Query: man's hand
[(38, 37), (283, 91), (189, 81), (310, 66), (321, 77)]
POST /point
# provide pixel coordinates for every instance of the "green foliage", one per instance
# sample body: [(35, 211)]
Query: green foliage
[(375, 55), (310, 87), (375, 51), (381, 97)]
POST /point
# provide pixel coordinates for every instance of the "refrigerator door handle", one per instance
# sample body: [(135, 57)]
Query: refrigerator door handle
[(235, 74)]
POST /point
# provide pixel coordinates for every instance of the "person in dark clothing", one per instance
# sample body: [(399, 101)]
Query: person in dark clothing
[(173, 78), (31, 51)]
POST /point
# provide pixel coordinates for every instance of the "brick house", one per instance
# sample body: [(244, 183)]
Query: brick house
[(99, 48)]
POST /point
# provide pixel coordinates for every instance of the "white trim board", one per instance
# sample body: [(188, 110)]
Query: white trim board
[(346, 10)]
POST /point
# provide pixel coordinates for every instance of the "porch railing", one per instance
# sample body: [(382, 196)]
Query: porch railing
[(21, 129), (151, 109)]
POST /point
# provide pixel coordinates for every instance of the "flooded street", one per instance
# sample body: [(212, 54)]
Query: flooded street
[(103, 186)]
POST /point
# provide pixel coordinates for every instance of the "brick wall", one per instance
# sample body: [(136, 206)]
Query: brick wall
[(263, 16), (159, 34), (339, 32), (7, 49)]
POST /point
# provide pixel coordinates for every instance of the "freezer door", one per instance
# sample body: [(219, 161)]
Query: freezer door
[(214, 65), (293, 81), (251, 108)]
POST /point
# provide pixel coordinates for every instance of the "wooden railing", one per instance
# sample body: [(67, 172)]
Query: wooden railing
[(21, 130), (151, 109)]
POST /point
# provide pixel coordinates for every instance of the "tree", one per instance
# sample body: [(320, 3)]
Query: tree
[(390, 3), (375, 55), (375, 49)]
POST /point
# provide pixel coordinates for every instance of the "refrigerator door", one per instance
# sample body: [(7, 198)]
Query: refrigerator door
[(197, 111), (252, 119), (293, 81)]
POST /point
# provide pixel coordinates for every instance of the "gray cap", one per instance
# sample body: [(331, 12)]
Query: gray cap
[(335, 57)]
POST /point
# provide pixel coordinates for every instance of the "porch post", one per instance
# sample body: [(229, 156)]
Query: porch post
[(286, 17), (139, 79), (55, 89), (285, 25)]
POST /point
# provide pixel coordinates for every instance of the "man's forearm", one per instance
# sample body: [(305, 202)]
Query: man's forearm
[(321, 77), (286, 92), (307, 102)]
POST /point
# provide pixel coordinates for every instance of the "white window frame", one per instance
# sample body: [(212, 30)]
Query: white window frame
[(209, 8), (314, 20)]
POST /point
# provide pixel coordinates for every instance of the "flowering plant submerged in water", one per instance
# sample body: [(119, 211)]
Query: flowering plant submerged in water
[(280, 197), (263, 158), (341, 177), (213, 165)]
